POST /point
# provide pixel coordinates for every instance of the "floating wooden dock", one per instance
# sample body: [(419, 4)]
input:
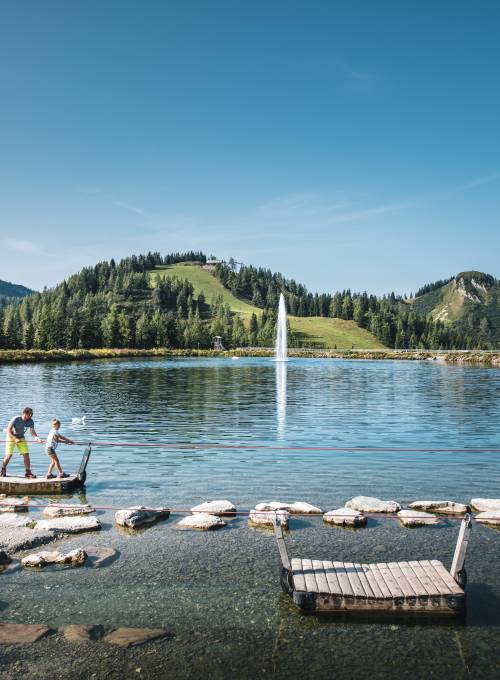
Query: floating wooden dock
[(40, 485), (413, 586)]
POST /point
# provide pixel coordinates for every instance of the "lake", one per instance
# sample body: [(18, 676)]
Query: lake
[(219, 592)]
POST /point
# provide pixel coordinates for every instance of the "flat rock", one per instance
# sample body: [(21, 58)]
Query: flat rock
[(100, 555), (492, 518), (14, 504), (201, 521), (132, 637), (486, 504), (69, 525), (75, 558), (14, 520), (441, 507), (369, 504), (21, 633), (5, 559), (138, 516), (215, 508), (345, 517), (303, 508), (66, 510), (272, 505), (266, 519), (14, 539), (414, 518), (79, 632)]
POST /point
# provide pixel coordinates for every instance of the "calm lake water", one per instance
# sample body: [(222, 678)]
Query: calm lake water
[(219, 592)]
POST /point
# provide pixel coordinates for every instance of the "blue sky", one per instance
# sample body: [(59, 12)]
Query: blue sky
[(345, 144)]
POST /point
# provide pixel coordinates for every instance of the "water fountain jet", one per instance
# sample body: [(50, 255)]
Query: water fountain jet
[(281, 349)]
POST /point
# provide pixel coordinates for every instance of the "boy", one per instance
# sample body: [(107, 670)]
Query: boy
[(50, 449), (16, 430)]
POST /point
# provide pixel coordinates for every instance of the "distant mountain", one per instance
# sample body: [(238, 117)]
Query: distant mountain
[(13, 290), (470, 302)]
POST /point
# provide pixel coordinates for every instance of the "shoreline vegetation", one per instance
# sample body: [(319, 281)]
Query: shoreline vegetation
[(486, 357)]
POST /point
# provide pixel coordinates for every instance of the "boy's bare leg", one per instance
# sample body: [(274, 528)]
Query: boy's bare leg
[(51, 467), (55, 461)]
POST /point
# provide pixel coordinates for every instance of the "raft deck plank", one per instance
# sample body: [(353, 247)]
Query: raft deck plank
[(410, 586)]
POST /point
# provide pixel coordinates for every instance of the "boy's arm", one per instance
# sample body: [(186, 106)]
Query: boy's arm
[(64, 440)]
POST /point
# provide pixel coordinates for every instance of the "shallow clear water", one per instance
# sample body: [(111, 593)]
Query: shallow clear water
[(220, 591)]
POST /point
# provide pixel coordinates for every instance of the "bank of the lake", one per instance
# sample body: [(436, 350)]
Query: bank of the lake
[(485, 357)]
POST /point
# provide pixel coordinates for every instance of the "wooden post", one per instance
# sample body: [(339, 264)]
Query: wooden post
[(280, 539), (457, 566)]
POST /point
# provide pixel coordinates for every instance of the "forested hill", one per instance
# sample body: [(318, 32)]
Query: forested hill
[(127, 304), (13, 290), (467, 301), (394, 320)]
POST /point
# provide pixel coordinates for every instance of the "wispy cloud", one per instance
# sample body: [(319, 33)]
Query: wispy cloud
[(20, 246), (472, 184)]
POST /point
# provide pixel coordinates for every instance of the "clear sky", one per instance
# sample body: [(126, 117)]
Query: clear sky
[(345, 144)]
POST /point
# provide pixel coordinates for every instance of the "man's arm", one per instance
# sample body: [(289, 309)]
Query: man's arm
[(11, 432), (34, 434)]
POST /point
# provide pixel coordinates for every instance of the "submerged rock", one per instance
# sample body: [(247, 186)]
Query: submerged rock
[(132, 637), (66, 510), (442, 507), (345, 517), (14, 504), (100, 555), (491, 517), (4, 558), (414, 518), (215, 508), (201, 521), (13, 539), (70, 525), (21, 633), (75, 558), (486, 504), (369, 504), (267, 519), (137, 516), (74, 632)]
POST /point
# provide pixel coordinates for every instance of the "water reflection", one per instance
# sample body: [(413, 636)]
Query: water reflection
[(281, 398)]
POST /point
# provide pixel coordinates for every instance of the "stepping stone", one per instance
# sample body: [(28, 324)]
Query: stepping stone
[(80, 633), (75, 558), (21, 633), (492, 518), (4, 558), (137, 516), (345, 517), (369, 504), (302, 508), (414, 518), (14, 504), (66, 510), (132, 637), (100, 556), (70, 525), (441, 507), (14, 520), (201, 521), (267, 519), (14, 539), (215, 508), (273, 505), (486, 504)]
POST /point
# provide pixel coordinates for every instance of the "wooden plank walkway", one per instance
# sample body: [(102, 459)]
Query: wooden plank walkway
[(407, 586)]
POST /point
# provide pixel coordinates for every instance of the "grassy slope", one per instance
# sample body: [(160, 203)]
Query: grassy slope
[(330, 332)]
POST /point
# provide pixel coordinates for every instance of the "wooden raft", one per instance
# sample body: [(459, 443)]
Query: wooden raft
[(413, 586), (41, 485)]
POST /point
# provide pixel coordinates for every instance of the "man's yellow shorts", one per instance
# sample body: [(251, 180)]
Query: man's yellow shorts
[(21, 446)]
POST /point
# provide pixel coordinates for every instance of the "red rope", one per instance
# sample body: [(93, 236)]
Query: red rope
[(268, 447)]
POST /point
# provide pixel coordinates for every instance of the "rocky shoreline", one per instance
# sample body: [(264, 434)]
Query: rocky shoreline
[(473, 357)]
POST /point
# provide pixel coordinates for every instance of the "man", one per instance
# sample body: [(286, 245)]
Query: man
[(15, 439)]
